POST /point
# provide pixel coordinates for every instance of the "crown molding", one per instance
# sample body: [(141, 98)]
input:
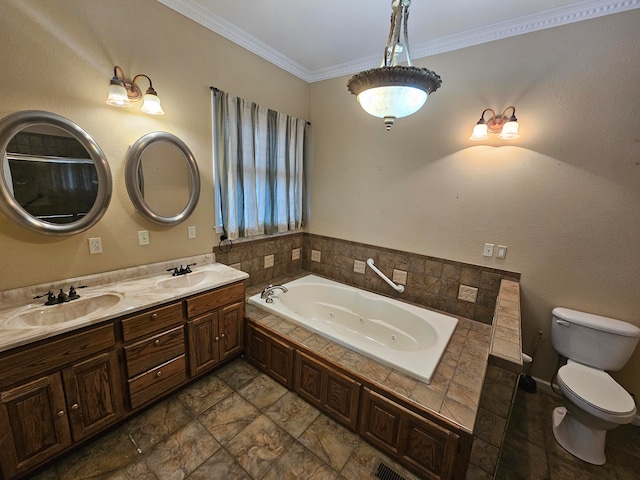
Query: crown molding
[(575, 12)]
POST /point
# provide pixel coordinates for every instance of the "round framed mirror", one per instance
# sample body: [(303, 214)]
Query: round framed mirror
[(54, 177), (162, 178)]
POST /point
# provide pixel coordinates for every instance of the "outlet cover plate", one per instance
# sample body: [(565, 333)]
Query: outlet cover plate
[(488, 250), (95, 245), (191, 231)]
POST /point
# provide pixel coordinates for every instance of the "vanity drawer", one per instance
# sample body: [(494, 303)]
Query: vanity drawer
[(155, 382), (214, 300), (152, 351), (151, 321)]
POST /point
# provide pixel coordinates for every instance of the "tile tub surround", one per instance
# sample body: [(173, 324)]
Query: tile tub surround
[(431, 282), (136, 285), (250, 256)]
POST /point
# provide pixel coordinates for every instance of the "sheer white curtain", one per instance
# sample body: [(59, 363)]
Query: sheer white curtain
[(259, 167)]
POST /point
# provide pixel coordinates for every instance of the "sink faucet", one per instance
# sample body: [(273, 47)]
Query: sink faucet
[(175, 271), (268, 292), (62, 297)]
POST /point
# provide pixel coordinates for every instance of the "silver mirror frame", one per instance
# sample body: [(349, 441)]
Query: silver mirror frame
[(14, 123), (134, 158)]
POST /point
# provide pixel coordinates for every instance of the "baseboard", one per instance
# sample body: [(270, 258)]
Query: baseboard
[(636, 419)]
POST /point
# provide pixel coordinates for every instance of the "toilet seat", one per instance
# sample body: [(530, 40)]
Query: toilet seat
[(596, 392)]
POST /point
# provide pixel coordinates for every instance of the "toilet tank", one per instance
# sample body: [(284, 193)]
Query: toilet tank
[(599, 342)]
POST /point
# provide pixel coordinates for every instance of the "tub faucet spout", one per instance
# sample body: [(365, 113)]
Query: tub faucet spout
[(268, 292)]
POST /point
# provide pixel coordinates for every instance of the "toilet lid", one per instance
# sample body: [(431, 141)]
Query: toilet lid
[(596, 388)]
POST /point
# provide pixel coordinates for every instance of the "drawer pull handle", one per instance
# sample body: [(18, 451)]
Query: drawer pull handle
[(156, 343), (154, 316), (74, 406), (60, 413), (158, 373)]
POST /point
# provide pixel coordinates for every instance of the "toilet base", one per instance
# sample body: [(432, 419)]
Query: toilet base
[(579, 440)]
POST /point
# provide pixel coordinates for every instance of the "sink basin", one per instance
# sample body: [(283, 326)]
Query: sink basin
[(43, 316), (192, 279)]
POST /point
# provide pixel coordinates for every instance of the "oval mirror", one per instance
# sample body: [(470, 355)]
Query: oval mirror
[(54, 178), (162, 178)]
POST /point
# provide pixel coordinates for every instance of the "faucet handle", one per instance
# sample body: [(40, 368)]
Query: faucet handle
[(188, 269), (174, 270)]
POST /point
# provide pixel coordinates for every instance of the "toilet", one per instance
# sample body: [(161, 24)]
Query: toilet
[(593, 401)]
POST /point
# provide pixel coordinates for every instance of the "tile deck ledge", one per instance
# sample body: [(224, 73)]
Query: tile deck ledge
[(505, 349)]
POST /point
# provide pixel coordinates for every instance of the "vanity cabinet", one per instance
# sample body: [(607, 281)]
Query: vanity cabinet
[(429, 448), (217, 331), (154, 353), (329, 390), (57, 393), (270, 354)]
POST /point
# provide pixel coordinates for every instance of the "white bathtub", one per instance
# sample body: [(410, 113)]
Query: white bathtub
[(407, 338)]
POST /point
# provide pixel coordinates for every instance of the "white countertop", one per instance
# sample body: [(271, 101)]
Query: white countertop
[(134, 294)]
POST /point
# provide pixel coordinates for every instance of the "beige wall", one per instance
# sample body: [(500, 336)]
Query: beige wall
[(59, 57), (565, 197)]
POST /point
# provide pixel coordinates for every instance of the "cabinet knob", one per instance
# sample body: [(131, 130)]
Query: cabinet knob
[(223, 335), (60, 413), (74, 406), (154, 316), (158, 373), (156, 343), (217, 338)]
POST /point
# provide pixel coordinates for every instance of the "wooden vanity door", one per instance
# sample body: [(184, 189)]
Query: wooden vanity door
[(231, 327), (34, 424), (204, 353), (94, 398)]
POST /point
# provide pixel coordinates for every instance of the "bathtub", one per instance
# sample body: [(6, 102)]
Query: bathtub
[(402, 336)]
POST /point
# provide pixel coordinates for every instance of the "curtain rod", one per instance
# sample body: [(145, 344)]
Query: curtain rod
[(217, 90)]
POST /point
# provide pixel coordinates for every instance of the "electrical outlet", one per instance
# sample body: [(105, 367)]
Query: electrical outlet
[(95, 245), (268, 261), (400, 276), (359, 266), (467, 293), (143, 237), (488, 250), (191, 231), (295, 254), (315, 255)]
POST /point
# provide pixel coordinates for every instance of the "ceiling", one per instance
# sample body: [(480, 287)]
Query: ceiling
[(320, 39)]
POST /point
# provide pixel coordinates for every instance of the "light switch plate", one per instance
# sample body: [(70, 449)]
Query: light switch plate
[(143, 237), (502, 251)]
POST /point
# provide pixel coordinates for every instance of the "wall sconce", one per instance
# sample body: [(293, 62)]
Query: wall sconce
[(123, 92), (506, 127)]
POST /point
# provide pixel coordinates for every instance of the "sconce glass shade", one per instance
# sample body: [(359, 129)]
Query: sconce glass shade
[(510, 130), (480, 132), (118, 95), (151, 104)]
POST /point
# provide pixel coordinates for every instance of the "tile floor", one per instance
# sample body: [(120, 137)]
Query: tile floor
[(239, 424)]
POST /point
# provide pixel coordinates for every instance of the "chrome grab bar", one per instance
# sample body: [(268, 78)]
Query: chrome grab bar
[(397, 288)]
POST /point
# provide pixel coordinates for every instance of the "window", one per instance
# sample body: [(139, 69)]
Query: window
[(258, 165)]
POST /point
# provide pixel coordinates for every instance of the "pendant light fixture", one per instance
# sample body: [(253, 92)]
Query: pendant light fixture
[(394, 91)]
